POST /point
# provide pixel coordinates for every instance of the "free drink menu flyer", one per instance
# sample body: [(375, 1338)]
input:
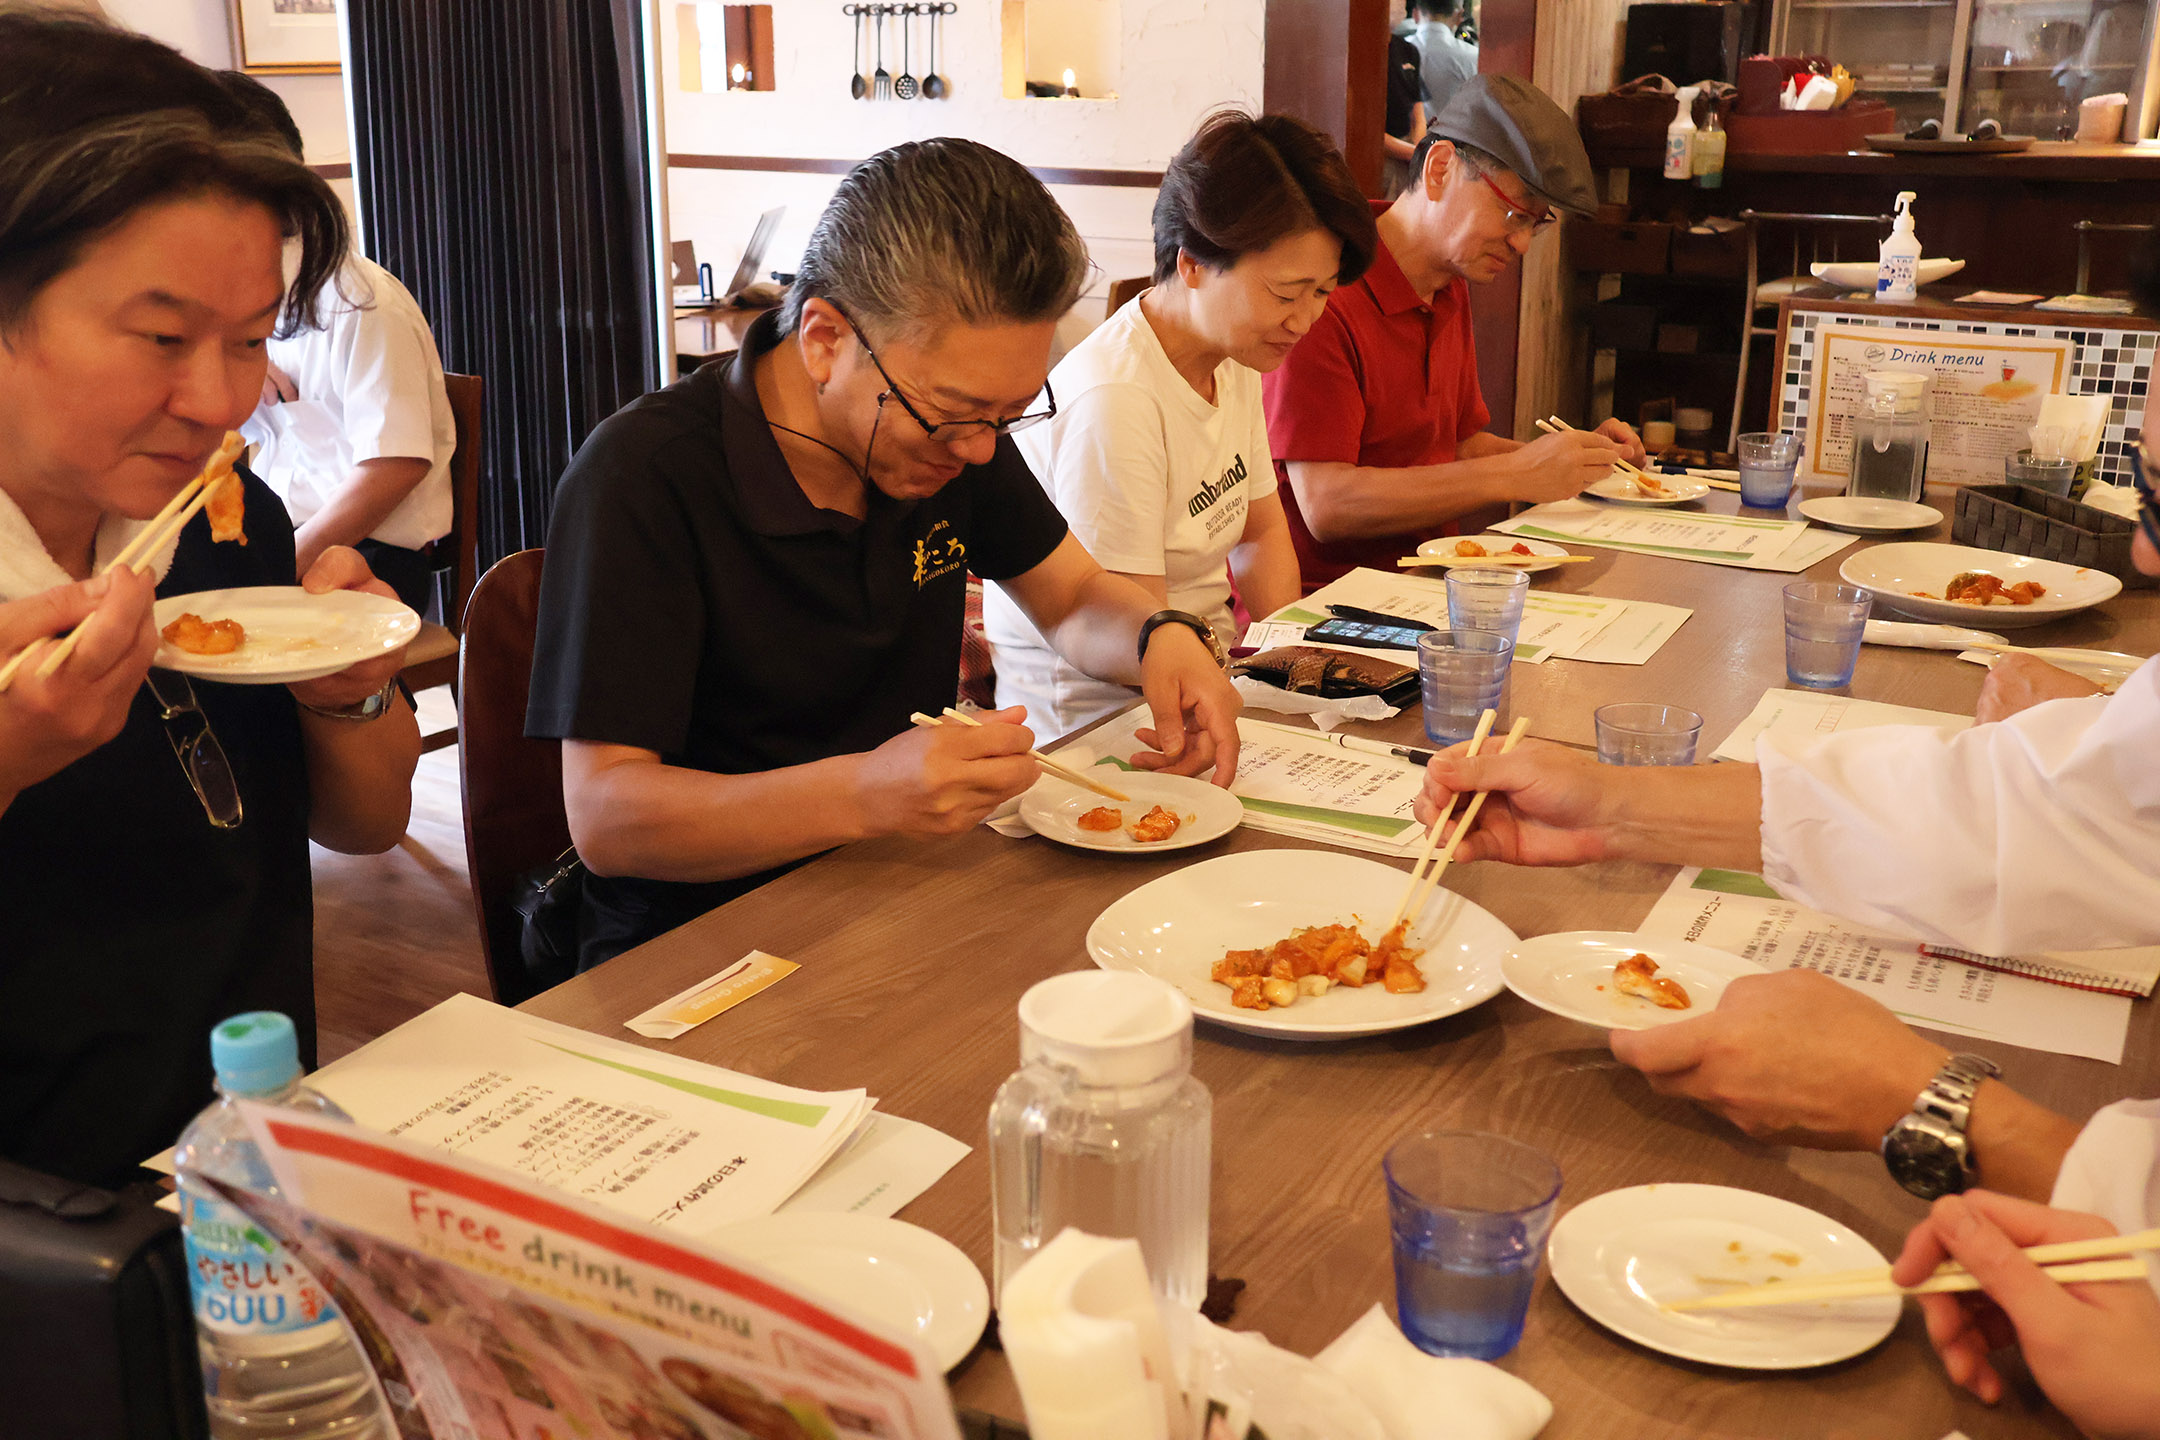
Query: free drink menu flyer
[(1742, 541), (494, 1309), (1739, 913), (1555, 624), (1987, 395)]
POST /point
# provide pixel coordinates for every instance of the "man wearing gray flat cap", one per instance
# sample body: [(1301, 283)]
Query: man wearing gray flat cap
[(1376, 419)]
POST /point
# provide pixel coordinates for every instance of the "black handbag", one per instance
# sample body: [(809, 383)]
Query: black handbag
[(97, 1337), (548, 899)]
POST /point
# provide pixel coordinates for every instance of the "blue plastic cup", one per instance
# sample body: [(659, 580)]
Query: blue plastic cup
[(1468, 1214), (1823, 627), (1482, 598), (1463, 673), (1767, 464)]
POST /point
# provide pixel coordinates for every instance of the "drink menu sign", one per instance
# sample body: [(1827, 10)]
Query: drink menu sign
[(1986, 399)]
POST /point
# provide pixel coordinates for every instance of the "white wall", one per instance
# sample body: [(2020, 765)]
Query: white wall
[(1181, 59), (199, 30)]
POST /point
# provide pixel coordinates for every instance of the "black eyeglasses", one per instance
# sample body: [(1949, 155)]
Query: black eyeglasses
[(956, 428), (2146, 465), (202, 758)]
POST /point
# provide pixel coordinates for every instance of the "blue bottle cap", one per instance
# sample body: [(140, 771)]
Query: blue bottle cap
[(255, 1054)]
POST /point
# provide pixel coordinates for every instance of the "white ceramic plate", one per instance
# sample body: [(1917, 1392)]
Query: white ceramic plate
[(2105, 668), (1894, 572), (1860, 274), (1857, 516), (1621, 1256), (1621, 490), (1570, 974), (888, 1270), (1441, 551), (1176, 927), (291, 635), (1052, 809)]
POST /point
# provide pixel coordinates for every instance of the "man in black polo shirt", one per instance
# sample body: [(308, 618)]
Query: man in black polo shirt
[(756, 574)]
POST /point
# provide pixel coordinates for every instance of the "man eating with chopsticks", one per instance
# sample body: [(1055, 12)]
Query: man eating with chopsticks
[(755, 576)]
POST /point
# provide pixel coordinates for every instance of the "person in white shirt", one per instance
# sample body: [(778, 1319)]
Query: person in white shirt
[(1448, 59), (1158, 457), (2037, 829), (355, 431)]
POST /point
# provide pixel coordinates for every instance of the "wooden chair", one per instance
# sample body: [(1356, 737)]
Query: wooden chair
[(1123, 290), (1812, 238), (514, 820), (432, 658)]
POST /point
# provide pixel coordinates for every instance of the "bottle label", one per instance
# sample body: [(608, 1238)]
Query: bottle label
[(242, 1281), (1895, 273)]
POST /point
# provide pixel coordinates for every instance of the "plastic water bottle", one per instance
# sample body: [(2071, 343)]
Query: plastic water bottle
[(276, 1359), (1103, 1129)]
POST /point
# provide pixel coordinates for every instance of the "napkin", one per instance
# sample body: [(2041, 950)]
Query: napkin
[(25, 568), (2115, 499), (1427, 1397), (1326, 712)]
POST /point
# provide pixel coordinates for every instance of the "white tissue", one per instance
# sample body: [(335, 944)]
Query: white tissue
[(1429, 1397), (1326, 713), (1285, 1395)]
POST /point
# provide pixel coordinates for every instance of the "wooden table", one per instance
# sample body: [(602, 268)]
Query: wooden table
[(707, 334), (915, 954)]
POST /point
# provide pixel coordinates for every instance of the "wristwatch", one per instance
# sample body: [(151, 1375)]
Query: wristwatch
[(374, 707), (1198, 626), (1927, 1151)]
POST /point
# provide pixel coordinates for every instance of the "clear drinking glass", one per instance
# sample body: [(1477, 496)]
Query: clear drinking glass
[(1643, 732), (1463, 673), (2050, 476), (1767, 463), (1823, 626), (1482, 598), (1468, 1214)]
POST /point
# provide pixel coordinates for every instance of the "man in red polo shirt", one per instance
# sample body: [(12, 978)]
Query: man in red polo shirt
[(1375, 419)]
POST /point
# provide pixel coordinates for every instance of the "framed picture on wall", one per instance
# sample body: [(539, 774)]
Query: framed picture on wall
[(285, 37)]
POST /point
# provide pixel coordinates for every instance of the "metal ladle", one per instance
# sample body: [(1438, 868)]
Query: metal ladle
[(860, 85), (933, 85)]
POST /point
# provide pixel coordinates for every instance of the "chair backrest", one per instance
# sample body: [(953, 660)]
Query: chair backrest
[(466, 394), (514, 820), (1123, 290)]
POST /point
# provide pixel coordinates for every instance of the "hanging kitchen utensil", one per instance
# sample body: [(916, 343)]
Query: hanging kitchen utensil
[(906, 86), (933, 85), (860, 85), (883, 89)]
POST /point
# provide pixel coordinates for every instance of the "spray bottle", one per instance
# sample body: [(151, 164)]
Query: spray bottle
[(1897, 271), (1680, 137)]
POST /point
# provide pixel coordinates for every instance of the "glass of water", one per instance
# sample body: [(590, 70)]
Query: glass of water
[(1484, 598), (1823, 626), (1767, 463), (1643, 732), (1463, 674), (1468, 1214)]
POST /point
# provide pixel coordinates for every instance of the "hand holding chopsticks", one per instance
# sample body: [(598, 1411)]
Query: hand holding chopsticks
[(162, 530), (960, 717), (1421, 886)]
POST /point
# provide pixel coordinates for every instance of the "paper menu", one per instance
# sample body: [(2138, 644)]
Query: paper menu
[(668, 1141), (1810, 713), (1555, 625), (1736, 540), (1741, 914), (1293, 781)]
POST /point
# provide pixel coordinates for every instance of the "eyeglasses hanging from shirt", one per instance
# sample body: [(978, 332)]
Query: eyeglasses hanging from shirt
[(912, 20)]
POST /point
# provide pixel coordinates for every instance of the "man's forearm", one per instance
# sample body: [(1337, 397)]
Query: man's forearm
[(2018, 1144), (1357, 502), (360, 778), (666, 822), (1100, 633), (1709, 815)]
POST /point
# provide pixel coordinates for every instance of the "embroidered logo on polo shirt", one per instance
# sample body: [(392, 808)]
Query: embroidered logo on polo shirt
[(1214, 490), (935, 557)]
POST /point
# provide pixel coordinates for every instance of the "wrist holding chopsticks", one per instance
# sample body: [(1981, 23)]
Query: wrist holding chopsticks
[(961, 717)]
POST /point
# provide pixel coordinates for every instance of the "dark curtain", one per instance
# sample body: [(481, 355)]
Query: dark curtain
[(501, 161)]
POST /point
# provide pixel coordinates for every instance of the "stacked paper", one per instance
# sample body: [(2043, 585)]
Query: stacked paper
[(1738, 540)]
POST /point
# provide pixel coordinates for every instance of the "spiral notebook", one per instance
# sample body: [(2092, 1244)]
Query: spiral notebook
[(2131, 972)]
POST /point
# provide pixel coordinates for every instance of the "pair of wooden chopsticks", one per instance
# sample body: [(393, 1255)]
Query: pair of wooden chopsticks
[(2092, 1260), (1422, 885), (960, 717), (1553, 425), (1491, 562), (148, 541)]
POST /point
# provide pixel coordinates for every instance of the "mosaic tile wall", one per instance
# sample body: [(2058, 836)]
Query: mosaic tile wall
[(2106, 362)]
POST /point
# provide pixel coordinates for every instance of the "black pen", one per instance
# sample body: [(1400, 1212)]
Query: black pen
[(1375, 617)]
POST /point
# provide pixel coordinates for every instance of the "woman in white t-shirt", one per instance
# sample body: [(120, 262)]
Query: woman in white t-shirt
[(1159, 454)]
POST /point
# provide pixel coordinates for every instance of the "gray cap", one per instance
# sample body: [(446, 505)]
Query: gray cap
[(1519, 125)]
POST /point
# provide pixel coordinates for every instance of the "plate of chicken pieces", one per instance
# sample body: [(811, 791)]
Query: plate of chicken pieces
[(1296, 944), (1964, 585), (1164, 812), (1618, 981), (277, 634)]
